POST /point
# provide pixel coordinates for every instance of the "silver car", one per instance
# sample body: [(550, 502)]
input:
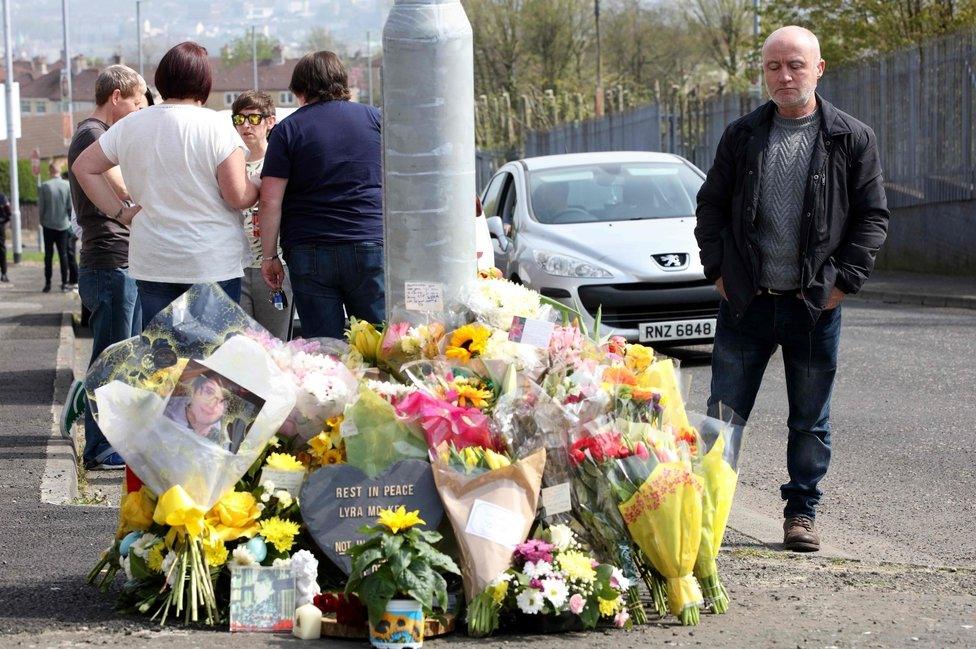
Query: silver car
[(611, 233)]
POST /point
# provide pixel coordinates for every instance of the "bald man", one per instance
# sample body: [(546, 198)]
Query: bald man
[(790, 219)]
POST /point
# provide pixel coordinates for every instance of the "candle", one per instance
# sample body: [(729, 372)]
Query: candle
[(308, 622)]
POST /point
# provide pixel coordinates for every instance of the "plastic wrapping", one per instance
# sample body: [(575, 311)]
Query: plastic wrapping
[(191, 402)]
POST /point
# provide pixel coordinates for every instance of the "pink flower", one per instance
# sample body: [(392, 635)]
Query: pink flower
[(534, 550), (641, 451), (576, 604), (621, 619), (393, 334), (535, 583), (445, 422)]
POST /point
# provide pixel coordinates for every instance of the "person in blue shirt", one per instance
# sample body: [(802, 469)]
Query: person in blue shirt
[(321, 189)]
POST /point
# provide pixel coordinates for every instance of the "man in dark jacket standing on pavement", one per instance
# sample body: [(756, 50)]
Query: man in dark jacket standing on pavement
[(790, 219)]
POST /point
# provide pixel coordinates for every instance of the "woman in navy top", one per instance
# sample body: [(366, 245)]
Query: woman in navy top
[(321, 188)]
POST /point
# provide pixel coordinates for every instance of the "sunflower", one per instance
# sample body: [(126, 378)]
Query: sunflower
[(468, 394), (467, 342)]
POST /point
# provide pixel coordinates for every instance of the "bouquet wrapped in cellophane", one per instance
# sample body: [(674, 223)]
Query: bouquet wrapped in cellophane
[(717, 466), (191, 405)]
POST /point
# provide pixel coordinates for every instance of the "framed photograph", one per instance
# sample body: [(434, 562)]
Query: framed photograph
[(207, 404), (262, 599)]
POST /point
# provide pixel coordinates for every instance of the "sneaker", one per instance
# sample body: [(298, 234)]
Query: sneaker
[(113, 462), (799, 535), (66, 288), (4, 278), (46, 289), (74, 407)]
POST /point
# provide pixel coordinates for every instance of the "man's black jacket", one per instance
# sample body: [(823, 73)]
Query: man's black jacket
[(844, 219)]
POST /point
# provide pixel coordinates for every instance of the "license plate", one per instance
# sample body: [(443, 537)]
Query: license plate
[(677, 330)]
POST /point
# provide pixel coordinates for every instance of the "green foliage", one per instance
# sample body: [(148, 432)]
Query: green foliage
[(407, 564), (850, 30), (27, 180), (240, 49)]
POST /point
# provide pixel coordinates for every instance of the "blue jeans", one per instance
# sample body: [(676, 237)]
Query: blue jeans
[(739, 359), (327, 277), (111, 297), (156, 296)]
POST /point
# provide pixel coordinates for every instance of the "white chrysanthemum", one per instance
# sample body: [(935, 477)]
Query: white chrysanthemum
[(142, 546), (526, 358), (537, 570), (283, 497), (618, 580), (241, 557), (388, 390), (497, 301), (530, 601), (168, 562), (555, 591), (561, 537)]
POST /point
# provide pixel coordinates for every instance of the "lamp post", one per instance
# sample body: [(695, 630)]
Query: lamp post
[(598, 106), (8, 56)]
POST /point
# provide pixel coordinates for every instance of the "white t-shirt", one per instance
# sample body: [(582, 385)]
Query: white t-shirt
[(169, 155)]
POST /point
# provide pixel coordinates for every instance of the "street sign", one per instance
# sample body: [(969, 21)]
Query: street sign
[(15, 102), (35, 158)]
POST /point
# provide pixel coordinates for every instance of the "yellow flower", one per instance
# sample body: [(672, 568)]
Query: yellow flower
[(154, 559), (474, 396), (577, 566), (335, 456), (638, 358), (234, 516), (178, 510), (498, 592), (283, 462), (609, 606), (430, 339), (364, 338), (467, 342), (496, 460), (215, 552), (471, 456), (280, 533), (136, 512), (399, 519)]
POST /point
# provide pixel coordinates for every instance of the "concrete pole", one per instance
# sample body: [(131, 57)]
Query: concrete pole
[(8, 56), (429, 183), (142, 71)]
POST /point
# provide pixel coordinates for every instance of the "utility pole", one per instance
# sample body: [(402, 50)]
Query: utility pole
[(254, 55), (369, 66), (8, 56), (598, 105), (142, 71), (67, 107)]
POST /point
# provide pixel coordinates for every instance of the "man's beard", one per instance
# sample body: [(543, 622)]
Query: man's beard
[(801, 99)]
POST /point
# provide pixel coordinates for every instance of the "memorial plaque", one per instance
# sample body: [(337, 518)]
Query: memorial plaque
[(337, 500)]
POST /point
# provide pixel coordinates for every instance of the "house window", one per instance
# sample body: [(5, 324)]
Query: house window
[(25, 106), (40, 107), (229, 98), (285, 98)]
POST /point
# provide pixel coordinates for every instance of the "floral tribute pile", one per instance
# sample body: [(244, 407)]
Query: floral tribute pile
[(504, 423)]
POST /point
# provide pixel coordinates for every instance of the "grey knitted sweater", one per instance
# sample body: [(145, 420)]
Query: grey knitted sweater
[(786, 165)]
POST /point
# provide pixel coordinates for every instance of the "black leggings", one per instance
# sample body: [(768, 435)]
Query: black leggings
[(3, 247)]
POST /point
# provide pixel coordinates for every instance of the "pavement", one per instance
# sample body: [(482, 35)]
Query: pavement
[(898, 567)]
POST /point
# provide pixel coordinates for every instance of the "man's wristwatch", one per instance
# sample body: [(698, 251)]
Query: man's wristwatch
[(271, 258)]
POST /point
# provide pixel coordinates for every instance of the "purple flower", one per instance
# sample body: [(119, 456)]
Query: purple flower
[(536, 583), (534, 550)]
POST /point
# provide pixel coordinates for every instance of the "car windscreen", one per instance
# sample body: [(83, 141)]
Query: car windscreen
[(613, 192)]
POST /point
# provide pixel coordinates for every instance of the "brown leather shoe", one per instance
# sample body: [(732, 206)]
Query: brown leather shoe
[(799, 535)]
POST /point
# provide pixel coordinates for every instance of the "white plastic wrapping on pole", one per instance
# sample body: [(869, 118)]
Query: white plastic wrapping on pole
[(428, 153)]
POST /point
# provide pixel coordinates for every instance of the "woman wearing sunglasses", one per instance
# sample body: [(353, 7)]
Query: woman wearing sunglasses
[(253, 115), (183, 165)]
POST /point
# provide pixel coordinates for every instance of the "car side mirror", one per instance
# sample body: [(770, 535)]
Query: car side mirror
[(497, 231)]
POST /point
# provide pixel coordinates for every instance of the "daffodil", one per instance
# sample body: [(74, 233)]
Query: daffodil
[(399, 519), (467, 342), (279, 532), (283, 462)]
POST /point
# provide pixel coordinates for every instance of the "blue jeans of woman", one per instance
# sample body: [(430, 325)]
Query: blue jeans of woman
[(156, 296), (739, 358), (327, 278), (111, 297)]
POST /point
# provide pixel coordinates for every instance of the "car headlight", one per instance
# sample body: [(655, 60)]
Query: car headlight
[(566, 266)]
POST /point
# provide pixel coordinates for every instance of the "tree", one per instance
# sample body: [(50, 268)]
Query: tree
[(240, 49), (320, 38), (726, 27), (498, 45)]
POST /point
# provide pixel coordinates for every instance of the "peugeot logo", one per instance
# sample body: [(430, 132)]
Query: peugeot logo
[(672, 260)]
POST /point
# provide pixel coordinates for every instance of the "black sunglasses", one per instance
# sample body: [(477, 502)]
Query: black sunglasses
[(254, 119)]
